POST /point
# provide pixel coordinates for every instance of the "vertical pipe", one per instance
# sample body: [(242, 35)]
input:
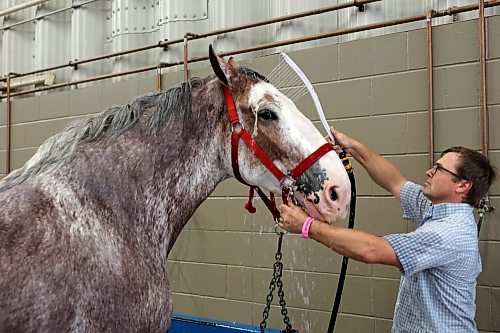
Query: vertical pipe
[(158, 77), (185, 57), (430, 14), (482, 63), (186, 38), (8, 128)]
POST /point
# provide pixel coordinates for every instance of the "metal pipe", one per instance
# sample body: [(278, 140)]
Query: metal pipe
[(430, 14), (355, 3), (185, 59), (21, 6), (445, 12), (410, 19), (158, 77), (78, 62), (91, 79), (8, 128), (186, 38), (482, 62), (164, 44), (47, 14)]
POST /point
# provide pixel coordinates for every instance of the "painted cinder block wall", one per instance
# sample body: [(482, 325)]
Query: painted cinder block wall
[(373, 89)]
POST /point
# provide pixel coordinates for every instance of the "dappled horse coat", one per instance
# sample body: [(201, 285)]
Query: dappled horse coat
[(87, 223)]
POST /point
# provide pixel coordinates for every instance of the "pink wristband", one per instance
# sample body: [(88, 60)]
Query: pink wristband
[(306, 226)]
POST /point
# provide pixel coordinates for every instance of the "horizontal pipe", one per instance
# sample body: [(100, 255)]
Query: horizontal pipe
[(367, 27), (91, 79), (164, 44), (286, 18)]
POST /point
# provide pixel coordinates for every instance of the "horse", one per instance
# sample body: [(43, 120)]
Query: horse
[(87, 223)]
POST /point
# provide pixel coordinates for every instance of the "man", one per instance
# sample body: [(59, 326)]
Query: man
[(439, 261)]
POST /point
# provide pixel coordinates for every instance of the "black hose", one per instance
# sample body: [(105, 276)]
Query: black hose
[(479, 224), (345, 260)]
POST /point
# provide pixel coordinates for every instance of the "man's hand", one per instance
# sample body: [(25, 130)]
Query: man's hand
[(342, 141), (381, 171), (292, 218)]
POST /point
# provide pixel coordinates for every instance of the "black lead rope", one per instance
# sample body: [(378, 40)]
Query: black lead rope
[(345, 260)]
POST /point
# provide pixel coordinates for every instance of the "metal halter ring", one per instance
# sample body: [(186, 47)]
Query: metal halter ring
[(276, 226), (237, 127)]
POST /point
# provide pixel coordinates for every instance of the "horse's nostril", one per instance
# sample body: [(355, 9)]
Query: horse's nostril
[(333, 194)]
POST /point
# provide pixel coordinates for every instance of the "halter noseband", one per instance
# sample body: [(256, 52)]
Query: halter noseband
[(287, 180)]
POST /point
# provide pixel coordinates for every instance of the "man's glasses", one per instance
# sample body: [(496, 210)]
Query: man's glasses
[(436, 167)]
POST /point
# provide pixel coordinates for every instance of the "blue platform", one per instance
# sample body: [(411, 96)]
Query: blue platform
[(188, 324)]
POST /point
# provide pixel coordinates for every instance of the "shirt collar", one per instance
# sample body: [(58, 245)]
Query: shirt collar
[(444, 209)]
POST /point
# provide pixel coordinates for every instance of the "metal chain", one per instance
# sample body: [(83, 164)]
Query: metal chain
[(276, 282)]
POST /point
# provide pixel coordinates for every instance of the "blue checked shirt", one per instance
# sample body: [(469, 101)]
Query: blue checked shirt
[(440, 263)]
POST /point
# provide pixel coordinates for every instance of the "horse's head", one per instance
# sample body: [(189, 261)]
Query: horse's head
[(287, 137)]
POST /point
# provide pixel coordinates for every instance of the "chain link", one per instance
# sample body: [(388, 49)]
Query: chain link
[(277, 282)]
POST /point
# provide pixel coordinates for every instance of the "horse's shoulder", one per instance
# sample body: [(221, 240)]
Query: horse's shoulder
[(25, 199), (24, 208)]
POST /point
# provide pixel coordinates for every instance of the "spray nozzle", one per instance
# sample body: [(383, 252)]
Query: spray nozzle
[(484, 206)]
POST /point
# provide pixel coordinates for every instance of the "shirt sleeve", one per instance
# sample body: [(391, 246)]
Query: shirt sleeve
[(413, 202), (421, 249)]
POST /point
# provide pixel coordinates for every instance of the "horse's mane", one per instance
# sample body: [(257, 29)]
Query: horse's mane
[(58, 149), (108, 124), (253, 74)]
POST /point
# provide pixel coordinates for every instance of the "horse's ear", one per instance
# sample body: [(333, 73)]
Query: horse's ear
[(219, 66)]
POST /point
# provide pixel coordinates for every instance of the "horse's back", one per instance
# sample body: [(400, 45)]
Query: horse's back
[(30, 244), (61, 273)]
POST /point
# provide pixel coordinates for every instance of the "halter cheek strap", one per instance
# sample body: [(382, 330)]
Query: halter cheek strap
[(287, 180)]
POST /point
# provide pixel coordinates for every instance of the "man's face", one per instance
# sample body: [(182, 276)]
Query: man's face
[(441, 186)]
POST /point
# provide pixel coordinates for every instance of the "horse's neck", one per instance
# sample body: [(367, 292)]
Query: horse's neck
[(153, 183), (192, 180), (202, 157)]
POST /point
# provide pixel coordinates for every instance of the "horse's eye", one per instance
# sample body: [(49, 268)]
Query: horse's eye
[(267, 114)]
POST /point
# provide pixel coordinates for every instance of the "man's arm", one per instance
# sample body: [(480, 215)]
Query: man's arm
[(383, 172), (354, 244)]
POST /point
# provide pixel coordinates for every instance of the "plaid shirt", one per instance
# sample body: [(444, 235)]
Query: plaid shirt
[(440, 263)]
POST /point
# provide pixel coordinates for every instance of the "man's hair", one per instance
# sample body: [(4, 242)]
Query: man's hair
[(475, 167)]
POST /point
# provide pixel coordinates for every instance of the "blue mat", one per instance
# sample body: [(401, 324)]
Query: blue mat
[(188, 324)]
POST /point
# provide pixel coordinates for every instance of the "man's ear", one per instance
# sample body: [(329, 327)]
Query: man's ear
[(464, 186)]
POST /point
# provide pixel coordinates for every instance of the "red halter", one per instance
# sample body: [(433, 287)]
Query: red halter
[(287, 180)]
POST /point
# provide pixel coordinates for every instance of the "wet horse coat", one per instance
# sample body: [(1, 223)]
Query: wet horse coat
[(87, 224)]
